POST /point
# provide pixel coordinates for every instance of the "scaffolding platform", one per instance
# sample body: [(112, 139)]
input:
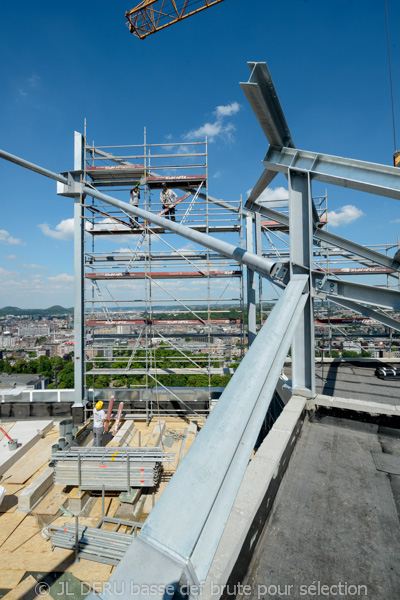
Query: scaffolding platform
[(175, 181), (174, 322), (132, 230), (275, 226), (165, 275), (116, 172), (164, 371)]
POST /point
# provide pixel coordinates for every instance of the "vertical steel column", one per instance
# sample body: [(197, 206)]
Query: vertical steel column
[(301, 257), (258, 249), (79, 232), (251, 285)]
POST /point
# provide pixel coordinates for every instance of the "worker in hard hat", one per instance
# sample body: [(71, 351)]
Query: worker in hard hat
[(99, 418)]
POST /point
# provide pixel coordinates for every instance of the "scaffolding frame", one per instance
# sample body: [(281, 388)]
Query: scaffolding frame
[(201, 493), (112, 334)]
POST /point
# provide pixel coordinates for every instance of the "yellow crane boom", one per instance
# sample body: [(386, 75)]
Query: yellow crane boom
[(153, 15)]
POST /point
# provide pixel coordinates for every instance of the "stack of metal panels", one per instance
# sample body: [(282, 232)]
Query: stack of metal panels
[(112, 468), (93, 544)]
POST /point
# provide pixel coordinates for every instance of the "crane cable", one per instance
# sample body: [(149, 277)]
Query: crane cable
[(390, 75)]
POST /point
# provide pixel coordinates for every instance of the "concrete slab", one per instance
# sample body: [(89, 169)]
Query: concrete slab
[(27, 433), (353, 379), (354, 404), (35, 490), (387, 463)]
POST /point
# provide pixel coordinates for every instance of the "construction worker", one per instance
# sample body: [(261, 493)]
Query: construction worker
[(99, 418), (168, 199), (134, 197)]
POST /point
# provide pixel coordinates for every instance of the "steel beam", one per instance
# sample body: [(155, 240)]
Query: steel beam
[(301, 257), (327, 237), (263, 99), (251, 286), (210, 474), (367, 312), (79, 311), (336, 288), (346, 172), (264, 266), (262, 183), (32, 167)]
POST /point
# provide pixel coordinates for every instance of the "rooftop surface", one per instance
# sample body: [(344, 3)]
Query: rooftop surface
[(26, 557), (354, 379), (335, 521)]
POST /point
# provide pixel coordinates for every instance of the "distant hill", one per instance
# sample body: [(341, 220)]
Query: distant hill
[(52, 310)]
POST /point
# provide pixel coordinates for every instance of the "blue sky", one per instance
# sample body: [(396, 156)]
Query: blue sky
[(64, 62)]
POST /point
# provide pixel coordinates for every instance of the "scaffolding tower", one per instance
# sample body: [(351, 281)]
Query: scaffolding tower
[(158, 315), (272, 237)]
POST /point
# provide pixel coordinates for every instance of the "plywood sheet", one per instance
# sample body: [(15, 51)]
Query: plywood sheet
[(113, 507), (25, 590), (33, 460), (95, 513), (25, 530), (8, 523), (91, 572), (34, 545), (52, 501), (37, 559), (10, 579)]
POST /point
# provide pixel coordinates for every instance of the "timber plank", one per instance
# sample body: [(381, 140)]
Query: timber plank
[(51, 502), (33, 460), (25, 590), (10, 579)]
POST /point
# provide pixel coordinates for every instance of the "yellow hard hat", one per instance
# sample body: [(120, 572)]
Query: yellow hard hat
[(99, 405)]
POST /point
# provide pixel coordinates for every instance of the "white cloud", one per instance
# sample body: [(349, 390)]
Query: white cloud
[(11, 256), (63, 231), (395, 221), (211, 130), (218, 128), (272, 194), (33, 266), (344, 215), (61, 278), (228, 110), (6, 238), (5, 273)]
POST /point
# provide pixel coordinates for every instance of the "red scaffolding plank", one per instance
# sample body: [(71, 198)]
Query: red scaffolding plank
[(164, 275)]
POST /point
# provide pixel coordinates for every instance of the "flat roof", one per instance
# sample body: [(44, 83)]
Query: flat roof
[(354, 379), (335, 521)]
